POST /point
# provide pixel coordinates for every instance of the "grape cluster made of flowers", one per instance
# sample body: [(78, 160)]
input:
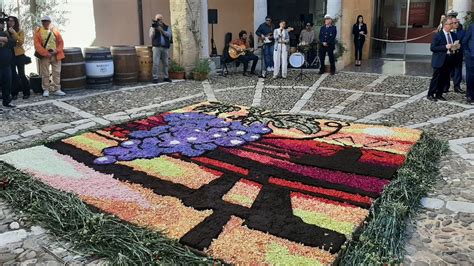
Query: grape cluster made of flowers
[(189, 134)]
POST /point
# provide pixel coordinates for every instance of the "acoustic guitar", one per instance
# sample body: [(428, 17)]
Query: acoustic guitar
[(243, 50)]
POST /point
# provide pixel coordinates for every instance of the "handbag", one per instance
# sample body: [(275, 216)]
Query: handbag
[(26, 60), (38, 55)]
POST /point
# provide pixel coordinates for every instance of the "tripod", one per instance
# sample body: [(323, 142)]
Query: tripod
[(302, 75)]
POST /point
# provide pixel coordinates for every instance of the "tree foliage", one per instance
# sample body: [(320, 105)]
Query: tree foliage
[(29, 13)]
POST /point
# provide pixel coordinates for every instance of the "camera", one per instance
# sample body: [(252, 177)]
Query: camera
[(155, 23), (3, 17)]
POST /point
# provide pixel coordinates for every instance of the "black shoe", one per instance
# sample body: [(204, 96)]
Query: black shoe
[(321, 72), (441, 98), (431, 98), (167, 80), (246, 74), (15, 97), (155, 81), (446, 90), (332, 73), (10, 105), (253, 73), (26, 97), (458, 90)]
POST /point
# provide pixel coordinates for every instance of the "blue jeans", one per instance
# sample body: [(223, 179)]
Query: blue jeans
[(6, 84), (268, 55)]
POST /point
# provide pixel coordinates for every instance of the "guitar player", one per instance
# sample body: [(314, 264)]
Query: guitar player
[(241, 47), (265, 36)]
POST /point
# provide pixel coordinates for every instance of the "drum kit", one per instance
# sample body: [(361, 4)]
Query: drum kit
[(300, 57)]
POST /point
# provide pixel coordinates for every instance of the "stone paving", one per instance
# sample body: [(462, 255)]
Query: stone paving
[(441, 234)]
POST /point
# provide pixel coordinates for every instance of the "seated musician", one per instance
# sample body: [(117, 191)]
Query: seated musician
[(241, 48), (307, 36)]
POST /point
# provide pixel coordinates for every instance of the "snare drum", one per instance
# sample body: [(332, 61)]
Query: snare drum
[(297, 60)]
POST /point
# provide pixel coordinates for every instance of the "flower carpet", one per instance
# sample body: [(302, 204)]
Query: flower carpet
[(239, 184)]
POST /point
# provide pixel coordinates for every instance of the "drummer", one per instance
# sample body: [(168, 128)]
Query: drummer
[(307, 35), (307, 41)]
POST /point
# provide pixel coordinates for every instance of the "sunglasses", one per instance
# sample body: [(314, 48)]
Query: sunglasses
[(268, 20), (308, 25)]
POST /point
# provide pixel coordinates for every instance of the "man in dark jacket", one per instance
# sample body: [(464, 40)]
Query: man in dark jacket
[(265, 35), (6, 57), (442, 61), (468, 44), (327, 38), (161, 36), (456, 72)]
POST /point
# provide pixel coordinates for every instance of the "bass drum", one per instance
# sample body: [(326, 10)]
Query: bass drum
[(297, 60)]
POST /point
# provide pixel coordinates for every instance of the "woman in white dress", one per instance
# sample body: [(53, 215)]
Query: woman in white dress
[(280, 54)]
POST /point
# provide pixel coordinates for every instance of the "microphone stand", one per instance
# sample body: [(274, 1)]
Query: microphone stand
[(281, 52)]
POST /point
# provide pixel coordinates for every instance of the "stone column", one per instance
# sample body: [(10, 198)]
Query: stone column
[(259, 14), (462, 7), (204, 30), (186, 23), (334, 9)]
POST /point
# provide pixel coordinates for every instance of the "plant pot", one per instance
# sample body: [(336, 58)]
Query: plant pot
[(200, 76), (177, 75)]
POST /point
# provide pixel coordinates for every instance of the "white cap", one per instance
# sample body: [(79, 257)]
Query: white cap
[(327, 16), (46, 18)]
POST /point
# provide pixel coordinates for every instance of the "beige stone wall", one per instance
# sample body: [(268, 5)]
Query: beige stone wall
[(350, 10), (234, 16), (150, 9), (116, 23)]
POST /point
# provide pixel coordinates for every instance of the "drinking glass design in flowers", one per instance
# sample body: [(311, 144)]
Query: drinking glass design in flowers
[(245, 185), (190, 134)]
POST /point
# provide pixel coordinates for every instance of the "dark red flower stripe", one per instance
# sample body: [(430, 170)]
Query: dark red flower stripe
[(323, 149), (305, 146), (381, 158), (269, 152), (324, 191), (225, 166), (366, 183), (122, 131), (301, 195)]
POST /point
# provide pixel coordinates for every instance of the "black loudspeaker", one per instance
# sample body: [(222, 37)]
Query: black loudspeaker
[(212, 16)]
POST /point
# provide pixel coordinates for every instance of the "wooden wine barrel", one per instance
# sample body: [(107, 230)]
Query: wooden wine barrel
[(73, 72), (99, 67), (125, 64), (145, 62)]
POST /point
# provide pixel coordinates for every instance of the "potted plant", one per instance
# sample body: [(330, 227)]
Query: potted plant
[(201, 72), (176, 71)]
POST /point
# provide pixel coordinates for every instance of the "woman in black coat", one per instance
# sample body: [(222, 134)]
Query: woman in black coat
[(359, 30)]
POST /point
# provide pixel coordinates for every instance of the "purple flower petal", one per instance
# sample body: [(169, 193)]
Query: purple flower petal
[(229, 142)]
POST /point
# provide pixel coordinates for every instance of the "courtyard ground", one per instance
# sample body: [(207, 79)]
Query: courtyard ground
[(441, 234)]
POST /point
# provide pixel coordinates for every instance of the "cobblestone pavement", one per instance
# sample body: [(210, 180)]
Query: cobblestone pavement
[(441, 234)]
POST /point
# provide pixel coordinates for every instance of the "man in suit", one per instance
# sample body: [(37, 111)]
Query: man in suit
[(456, 72), (468, 44), (442, 61), (327, 38)]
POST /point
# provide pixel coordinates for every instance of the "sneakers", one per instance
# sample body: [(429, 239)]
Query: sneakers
[(59, 93), (269, 69), (155, 81), (167, 80)]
